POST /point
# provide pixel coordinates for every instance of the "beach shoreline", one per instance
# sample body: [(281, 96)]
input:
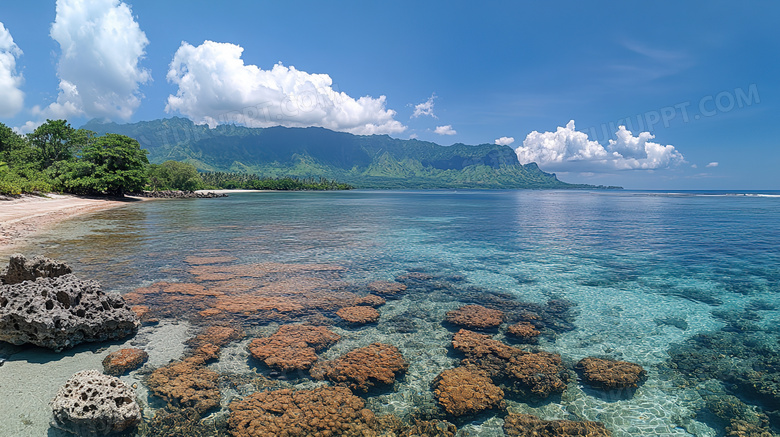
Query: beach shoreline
[(28, 215)]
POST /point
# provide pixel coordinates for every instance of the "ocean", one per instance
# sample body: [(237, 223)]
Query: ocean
[(684, 284)]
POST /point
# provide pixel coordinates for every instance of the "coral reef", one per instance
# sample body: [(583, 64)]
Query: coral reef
[(21, 269), (363, 368), (293, 347), (463, 391), (179, 422), (524, 332), (186, 384), (91, 403), (426, 428), (610, 374), (124, 360), (324, 411), (61, 312), (387, 289), (524, 425), (475, 317), (358, 315), (216, 335)]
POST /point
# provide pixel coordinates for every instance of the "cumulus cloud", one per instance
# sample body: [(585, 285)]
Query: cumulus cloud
[(569, 150), (445, 130), (425, 108), (99, 69), (505, 141), (712, 164), (215, 86), (10, 81)]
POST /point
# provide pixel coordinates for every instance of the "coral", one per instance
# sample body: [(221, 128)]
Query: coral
[(523, 331), (124, 360), (610, 374), (462, 391), (370, 300), (91, 403), (387, 289), (217, 335), (428, 428), (293, 347), (62, 312), (187, 383), (324, 411), (476, 345), (21, 269), (144, 314), (177, 422), (359, 315), (475, 317), (363, 368), (539, 374), (524, 425)]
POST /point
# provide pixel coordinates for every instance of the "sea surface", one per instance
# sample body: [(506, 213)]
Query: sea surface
[(683, 283)]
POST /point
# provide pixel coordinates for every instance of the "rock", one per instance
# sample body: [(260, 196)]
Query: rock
[(359, 315), (387, 289), (363, 368), (293, 347), (59, 313), (178, 194), (464, 391), (91, 403), (124, 360), (21, 269), (610, 374), (525, 425), (475, 317), (324, 411), (524, 332)]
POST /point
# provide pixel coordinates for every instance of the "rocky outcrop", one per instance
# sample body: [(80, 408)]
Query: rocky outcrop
[(91, 403), (463, 391), (178, 194), (59, 313), (363, 368), (124, 360), (21, 269), (610, 374)]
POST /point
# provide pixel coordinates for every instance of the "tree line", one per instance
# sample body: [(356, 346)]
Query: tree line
[(57, 157)]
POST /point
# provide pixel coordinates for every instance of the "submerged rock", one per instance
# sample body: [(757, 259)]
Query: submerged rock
[(21, 269), (59, 313), (525, 425), (124, 360), (91, 403)]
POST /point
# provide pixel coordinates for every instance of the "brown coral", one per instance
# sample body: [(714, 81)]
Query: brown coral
[(359, 315), (610, 374), (387, 289), (463, 391), (523, 331), (370, 300), (186, 383), (539, 374), (217, 335), (475, 317), (363, 368), (324, 411), (524, 425), (293, 347), (476, 345), (124, 360)]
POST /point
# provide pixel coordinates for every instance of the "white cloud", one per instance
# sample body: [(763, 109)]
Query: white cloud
[(445, 130), (28, 127), (712, 164), (425, 108), (12, 99), (413, 136), (215, 86), (98, 69), (505, 141), (569, 150)]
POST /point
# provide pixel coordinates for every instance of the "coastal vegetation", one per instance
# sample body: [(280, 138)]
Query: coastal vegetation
[(58, 157)]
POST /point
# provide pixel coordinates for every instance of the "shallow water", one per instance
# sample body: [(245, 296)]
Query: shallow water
[(646, 271)]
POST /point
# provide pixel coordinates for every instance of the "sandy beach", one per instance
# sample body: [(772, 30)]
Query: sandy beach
[(27, 215)]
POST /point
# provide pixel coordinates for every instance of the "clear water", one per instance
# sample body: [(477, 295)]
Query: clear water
[(645, 270)]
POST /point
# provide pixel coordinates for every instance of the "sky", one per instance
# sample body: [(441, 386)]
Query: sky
[(694, 85)]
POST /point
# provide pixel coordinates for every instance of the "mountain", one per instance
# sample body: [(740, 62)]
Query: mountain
[(365, 161)]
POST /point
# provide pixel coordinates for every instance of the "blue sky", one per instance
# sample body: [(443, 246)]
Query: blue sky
[(703, 78)]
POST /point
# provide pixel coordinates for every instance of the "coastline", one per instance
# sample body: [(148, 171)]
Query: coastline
[(28, 215)]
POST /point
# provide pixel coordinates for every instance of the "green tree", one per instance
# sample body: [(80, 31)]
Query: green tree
[(174, 175), (54, 141), (112, 164)]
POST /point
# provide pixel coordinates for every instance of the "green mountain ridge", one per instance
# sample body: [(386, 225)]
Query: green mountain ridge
[(364, 161)]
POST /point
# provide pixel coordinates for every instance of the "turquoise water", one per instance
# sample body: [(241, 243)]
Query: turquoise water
[(653, 278)]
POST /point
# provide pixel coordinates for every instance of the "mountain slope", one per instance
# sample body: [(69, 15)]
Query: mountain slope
[(372, 161)]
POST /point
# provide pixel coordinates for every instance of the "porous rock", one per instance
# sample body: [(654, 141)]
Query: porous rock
[(21, 269), (610, 374), (59, 313), (91, 403)]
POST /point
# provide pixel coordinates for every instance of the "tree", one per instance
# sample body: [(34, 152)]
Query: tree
[(54, 141), (112, 164), (174, 175)]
